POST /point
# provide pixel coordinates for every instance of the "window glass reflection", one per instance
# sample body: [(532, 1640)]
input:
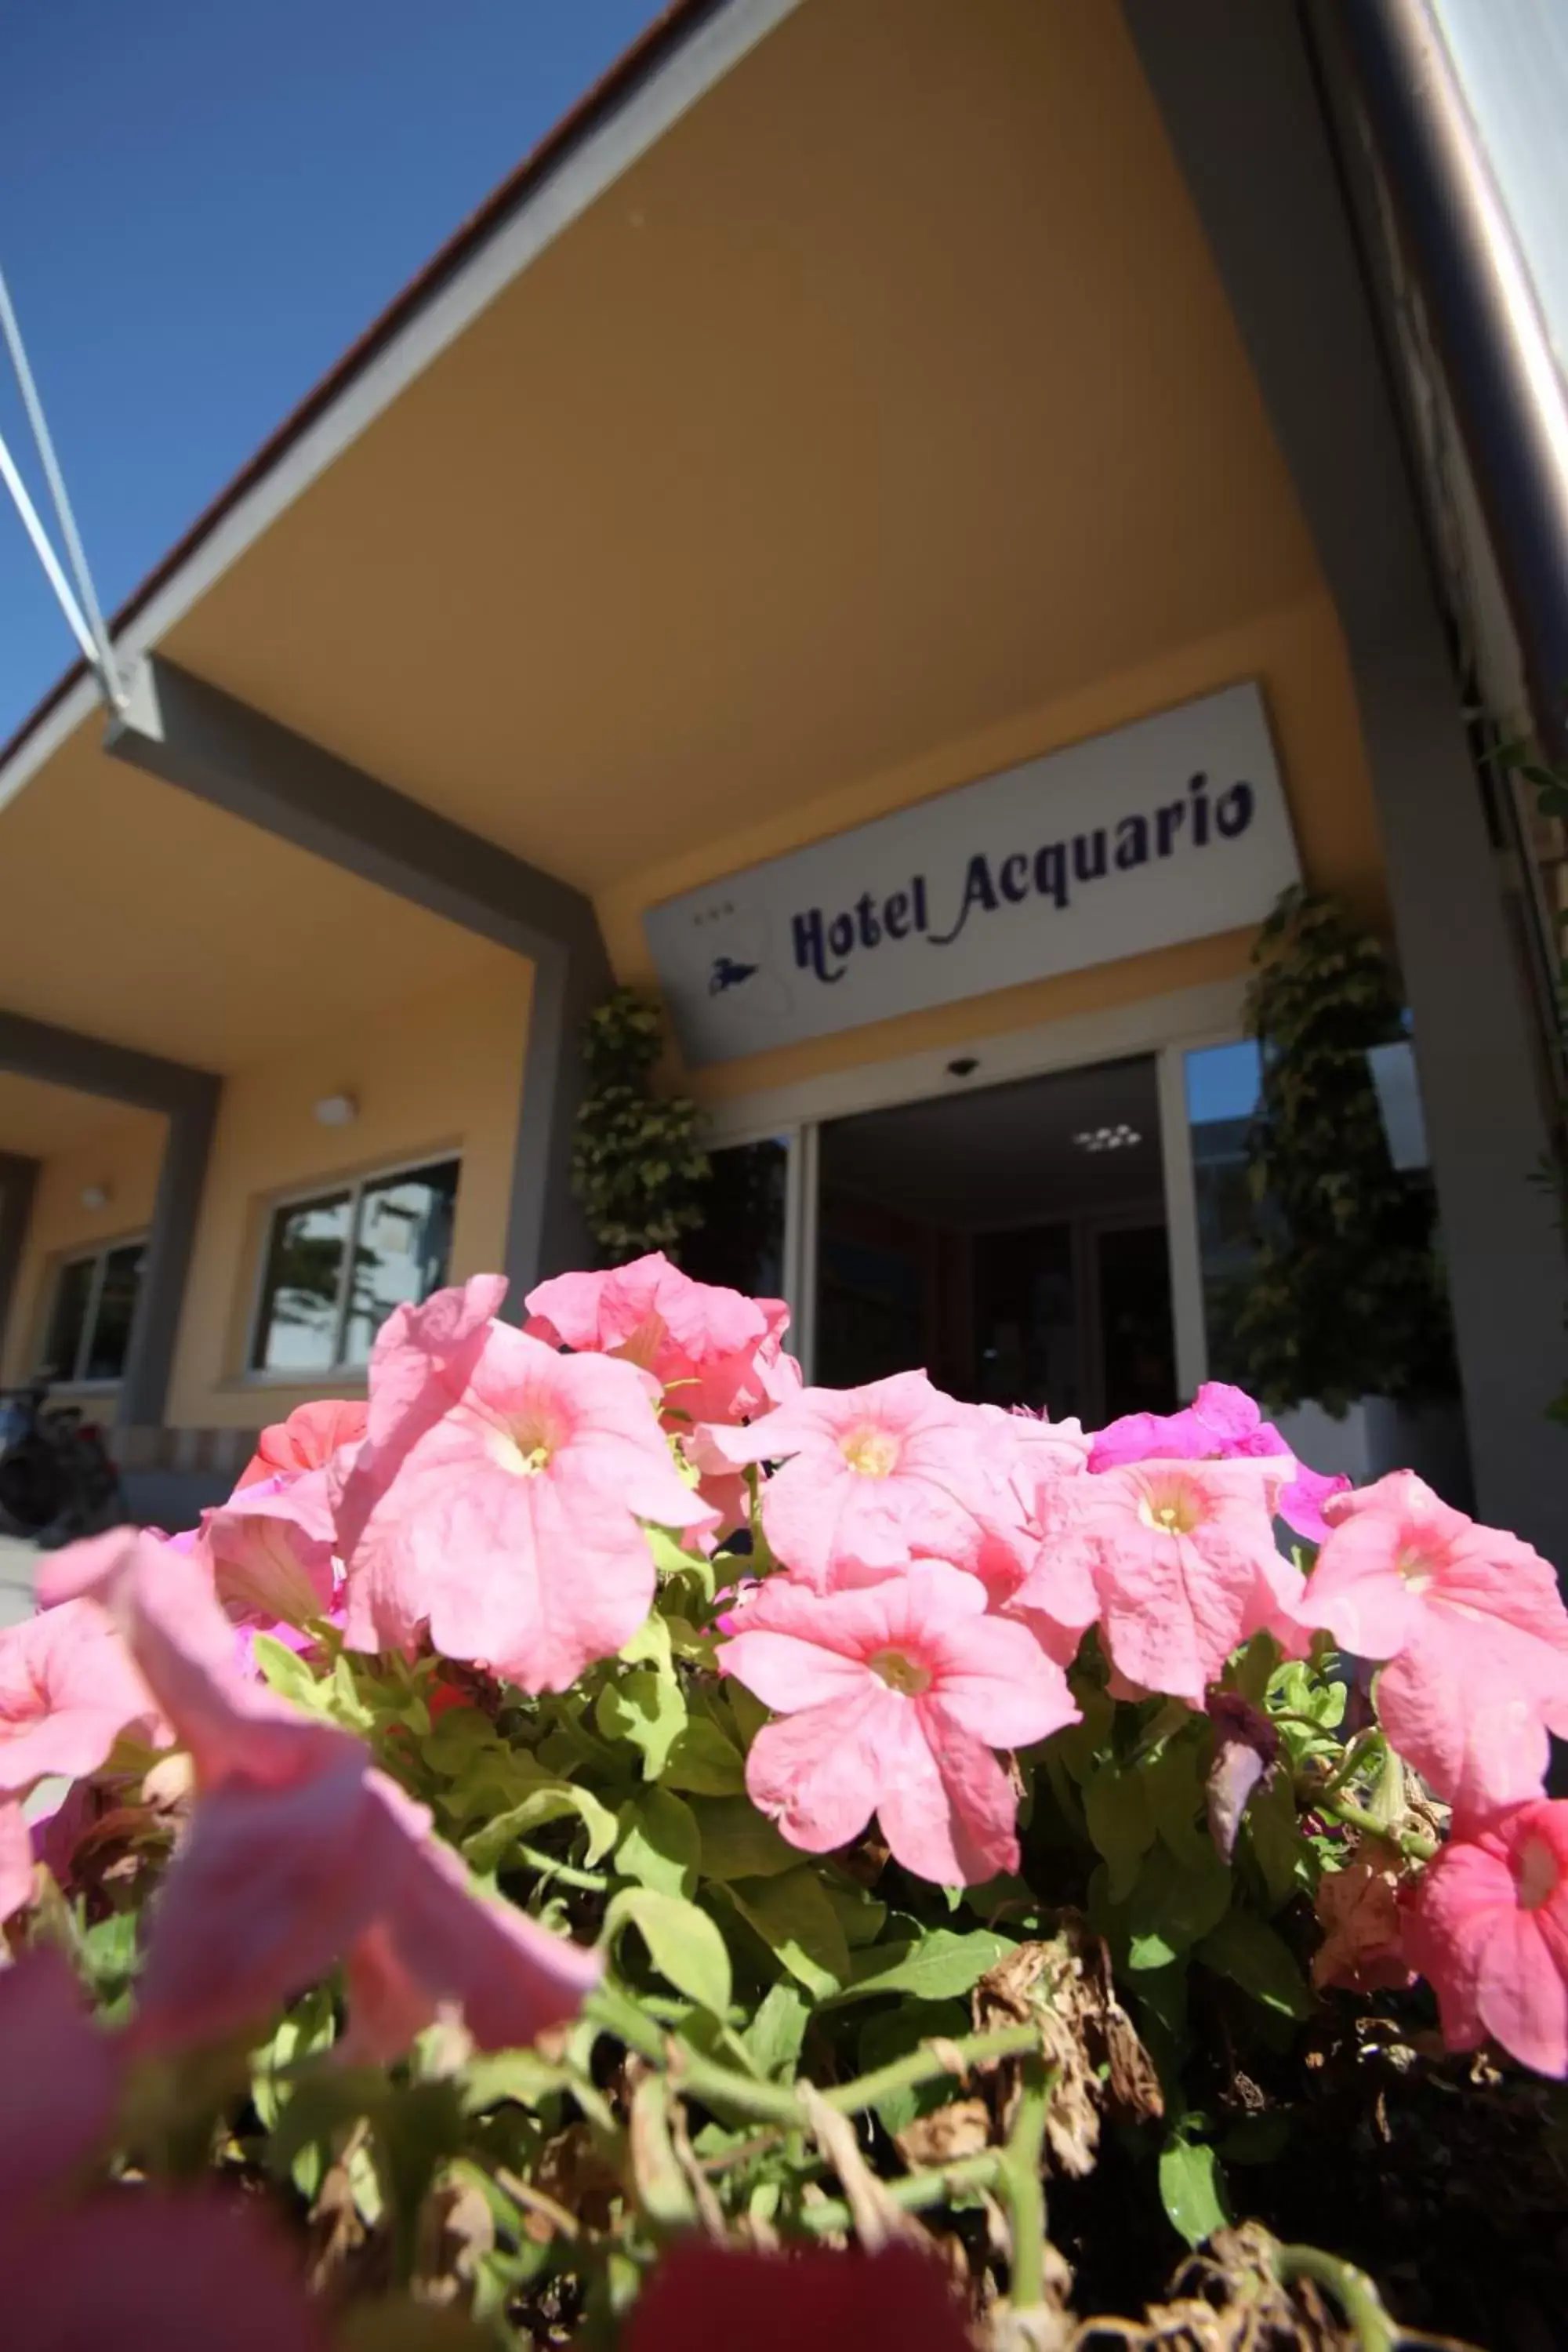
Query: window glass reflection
[(740, 1242)]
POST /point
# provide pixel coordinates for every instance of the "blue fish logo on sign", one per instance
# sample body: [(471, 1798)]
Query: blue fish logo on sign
[(726, 974)]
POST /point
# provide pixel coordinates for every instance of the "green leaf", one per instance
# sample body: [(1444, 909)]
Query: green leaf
[(645, 1708), (1173, 1904), (521, 2075), (285, 1671), (1271, 1835), (650, 1645), (1192, 2188), (487, 1848), (860, 1916), (683, 1943), (1116, 1807), (939, 1967), (660, 1843), (749, 1712), (775, 2034), (740, 1842), (702, 1761), (1249, 1951), (794, 1918), (1174, 1789)]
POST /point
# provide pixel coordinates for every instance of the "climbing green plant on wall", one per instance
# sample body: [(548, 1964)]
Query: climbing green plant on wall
[(1345, 1297), (637, 1170)]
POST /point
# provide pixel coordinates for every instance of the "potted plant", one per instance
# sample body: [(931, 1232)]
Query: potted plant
[(1344, 1325), (637, 1168)]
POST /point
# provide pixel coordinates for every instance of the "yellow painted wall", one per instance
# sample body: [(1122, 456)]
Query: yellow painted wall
[(123, 1155), (441, 1072), (1298, 657)]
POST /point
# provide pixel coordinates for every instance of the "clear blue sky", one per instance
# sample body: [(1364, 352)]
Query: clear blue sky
[(203, 201)]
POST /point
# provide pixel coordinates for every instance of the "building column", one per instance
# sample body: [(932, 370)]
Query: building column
[(143, 1394), (18, 1175), (1242, 107), (187, 1098)]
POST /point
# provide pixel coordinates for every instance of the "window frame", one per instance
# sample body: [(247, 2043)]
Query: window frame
[(97, 1255), (324, 1187)]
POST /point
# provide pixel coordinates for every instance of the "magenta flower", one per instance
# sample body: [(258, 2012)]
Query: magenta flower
[(1472, 1625), (712, 1351), (873, 1477), (502, 1497), (1186, 1565), (1221, 1424), (704, 2295), (894, 1695), (67, 1690), (301, 1853), (16, 1860), (1487, 1925)]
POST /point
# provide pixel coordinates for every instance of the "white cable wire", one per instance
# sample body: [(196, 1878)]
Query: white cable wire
[(46, 554), (99, 650)]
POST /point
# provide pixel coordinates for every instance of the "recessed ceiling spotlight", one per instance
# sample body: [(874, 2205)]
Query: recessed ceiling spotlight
[(1107, 1139)]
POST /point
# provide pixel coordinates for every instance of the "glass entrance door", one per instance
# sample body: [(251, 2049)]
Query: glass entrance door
[(1011, 1239)]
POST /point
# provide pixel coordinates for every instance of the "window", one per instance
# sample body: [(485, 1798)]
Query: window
[(337, 1264), (89, 1315)]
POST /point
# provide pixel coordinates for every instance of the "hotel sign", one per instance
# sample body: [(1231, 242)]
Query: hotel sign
[(1168, 830)]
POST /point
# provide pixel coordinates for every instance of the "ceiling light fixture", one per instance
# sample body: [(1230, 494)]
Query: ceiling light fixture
[(95, 1196), (1107, 1139), (336, 1110)]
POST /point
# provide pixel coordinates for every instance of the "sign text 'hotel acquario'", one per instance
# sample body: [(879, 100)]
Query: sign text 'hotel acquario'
[(1168, 830)]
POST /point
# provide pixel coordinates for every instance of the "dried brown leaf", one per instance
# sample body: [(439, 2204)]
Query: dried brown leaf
[(961, 2129)]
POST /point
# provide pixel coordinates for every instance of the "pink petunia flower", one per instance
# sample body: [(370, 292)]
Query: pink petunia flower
[(67, 1690), (1186, 1565), (17, 1860), (1474, 1629), (270, 1549), (870, 1476), (300, 1852), (307, 1441), (1487, 1925), (502, 1497), (141, 2268), (894, 1695), (1221, 1424), (710, 1349)]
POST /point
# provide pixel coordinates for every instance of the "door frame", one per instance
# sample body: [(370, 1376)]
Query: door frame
[(1166, 1027)]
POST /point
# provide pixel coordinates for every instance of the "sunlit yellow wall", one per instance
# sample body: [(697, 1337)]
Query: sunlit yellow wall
[(1297, 655), (123, 1158), (442, 1071)]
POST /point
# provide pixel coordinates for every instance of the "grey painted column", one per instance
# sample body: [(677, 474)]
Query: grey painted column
[(1237, 89), (188, 1100), (18, 1175), (160, 1293), (191, 734)]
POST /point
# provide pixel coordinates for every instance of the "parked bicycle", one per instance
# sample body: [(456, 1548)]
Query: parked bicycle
[(58, 1477)]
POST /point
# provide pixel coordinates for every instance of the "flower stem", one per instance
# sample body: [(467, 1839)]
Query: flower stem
[(1023, 2187), (1351, 2289), (702, 2079), (1356, 1817), (915, 2191), (595, 1881)]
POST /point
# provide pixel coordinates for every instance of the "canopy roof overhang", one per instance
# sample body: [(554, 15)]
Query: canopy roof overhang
[(881, 388)]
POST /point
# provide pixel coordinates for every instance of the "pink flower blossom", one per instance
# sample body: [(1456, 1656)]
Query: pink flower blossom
[(1221, 1424), (501, 1498), (135, 2267), (308, 1440), (16, 1860), (67, 1690), (1487, 1925), (301, 1853), (710, 1349), (270, 1547), (1473, 1626), (872, 1476), (1186, 1566), (894, 1695)]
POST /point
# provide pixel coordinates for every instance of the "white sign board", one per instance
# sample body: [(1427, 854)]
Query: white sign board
[(1168, 830)]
